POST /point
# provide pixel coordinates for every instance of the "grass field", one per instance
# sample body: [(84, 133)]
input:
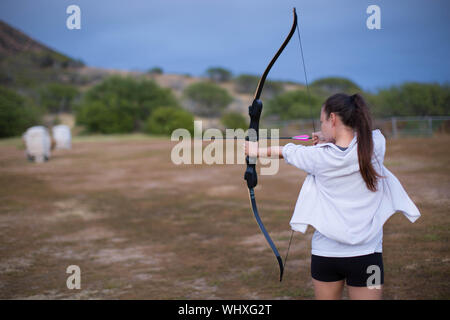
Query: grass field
[(140, 227)]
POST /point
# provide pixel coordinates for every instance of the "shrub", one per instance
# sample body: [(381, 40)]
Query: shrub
[(234, 120), (156, 70), (57, 97), (294, 105), (245, 83), (119, 105), (16, 113), (207, 99), (165, 120), (219, 74), (413, 99), (328, 86)]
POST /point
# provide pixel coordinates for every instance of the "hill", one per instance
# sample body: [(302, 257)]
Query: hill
[(28, 67), (26, 63)]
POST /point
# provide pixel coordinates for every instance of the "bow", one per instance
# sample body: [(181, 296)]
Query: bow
[(250, 175), (254, 112)]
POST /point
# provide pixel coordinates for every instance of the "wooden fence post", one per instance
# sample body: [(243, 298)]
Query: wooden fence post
[(394, 127)]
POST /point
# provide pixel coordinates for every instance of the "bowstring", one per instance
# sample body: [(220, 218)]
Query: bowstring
[(312, 118), (306, 78)]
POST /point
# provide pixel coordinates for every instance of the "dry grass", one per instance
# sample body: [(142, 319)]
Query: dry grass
[(140, 227)]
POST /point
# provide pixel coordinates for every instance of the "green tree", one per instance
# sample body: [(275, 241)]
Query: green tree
[(122, 104), (165, 120), (294, 105), (219, 74), (57, 97), (246, 83), (413, 99), (156, 70), (115, 117), (207, 99), (234, 120), (328, 86), (272, 89), (16, 113)]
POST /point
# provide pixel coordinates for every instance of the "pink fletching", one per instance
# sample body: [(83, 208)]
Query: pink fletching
[(302, 137)]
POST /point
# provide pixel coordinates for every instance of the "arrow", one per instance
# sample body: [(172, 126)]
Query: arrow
[(300, 137)]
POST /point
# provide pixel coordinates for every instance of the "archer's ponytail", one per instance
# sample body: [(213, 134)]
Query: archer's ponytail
[(354, 113)]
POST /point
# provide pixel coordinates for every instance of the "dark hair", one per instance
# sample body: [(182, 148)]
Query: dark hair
[(354, 112)]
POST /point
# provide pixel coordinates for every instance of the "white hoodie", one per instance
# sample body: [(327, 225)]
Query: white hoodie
[(334, 198)]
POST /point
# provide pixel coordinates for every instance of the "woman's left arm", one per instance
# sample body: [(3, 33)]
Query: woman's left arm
[(252, 149)]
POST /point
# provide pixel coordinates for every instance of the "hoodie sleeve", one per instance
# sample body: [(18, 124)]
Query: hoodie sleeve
[(302, 157)]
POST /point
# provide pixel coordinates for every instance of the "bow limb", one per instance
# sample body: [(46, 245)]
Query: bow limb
[(262, 80), (254, 112)]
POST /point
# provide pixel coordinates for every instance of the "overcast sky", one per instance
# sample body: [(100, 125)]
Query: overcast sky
[(189, 36)]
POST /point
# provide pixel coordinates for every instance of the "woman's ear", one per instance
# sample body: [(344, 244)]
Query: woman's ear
[(333, 119)]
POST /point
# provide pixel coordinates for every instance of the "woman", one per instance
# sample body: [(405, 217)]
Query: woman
[(347, 196)]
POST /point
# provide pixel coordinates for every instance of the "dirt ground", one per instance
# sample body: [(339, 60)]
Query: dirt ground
[(140, 227)]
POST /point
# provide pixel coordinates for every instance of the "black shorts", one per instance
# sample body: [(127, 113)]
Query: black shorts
[(358, 271)]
